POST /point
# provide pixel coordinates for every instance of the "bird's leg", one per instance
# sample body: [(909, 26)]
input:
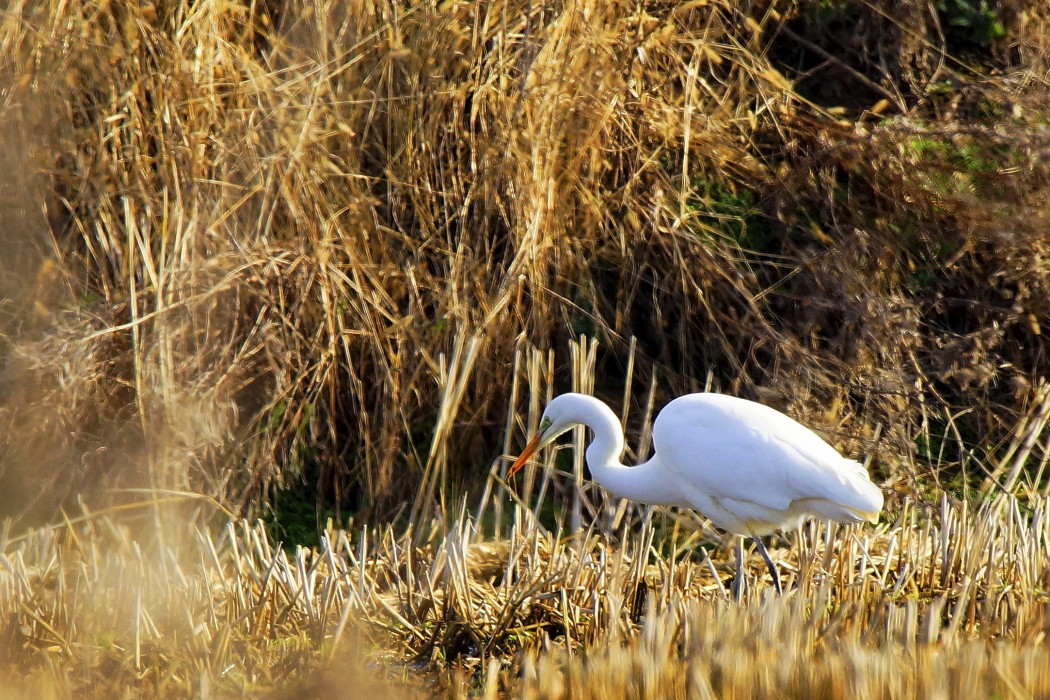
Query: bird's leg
[(739, 583), (769, 563)]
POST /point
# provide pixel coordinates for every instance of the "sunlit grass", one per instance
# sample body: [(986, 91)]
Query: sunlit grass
[(952, 600)]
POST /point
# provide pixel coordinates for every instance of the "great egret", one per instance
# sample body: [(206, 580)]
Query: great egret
[(747, 467)]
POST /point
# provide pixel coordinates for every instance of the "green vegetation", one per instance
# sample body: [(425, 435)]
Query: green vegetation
[(977, 20), (731, 217), (297, 261)]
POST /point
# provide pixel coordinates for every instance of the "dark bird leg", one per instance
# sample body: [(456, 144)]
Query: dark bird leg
[(769, 563), (739, 583)]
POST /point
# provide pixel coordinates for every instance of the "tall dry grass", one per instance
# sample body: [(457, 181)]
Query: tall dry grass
[(267, 237)]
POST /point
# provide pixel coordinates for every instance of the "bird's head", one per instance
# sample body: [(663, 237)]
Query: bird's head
[(557, 418)]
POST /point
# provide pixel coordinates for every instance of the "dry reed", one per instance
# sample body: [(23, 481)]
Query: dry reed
[(303, 222)]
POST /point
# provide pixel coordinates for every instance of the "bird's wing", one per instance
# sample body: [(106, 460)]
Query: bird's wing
[(732, 449)]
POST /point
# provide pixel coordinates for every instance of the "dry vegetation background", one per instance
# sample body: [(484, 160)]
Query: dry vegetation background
[(311, 259)]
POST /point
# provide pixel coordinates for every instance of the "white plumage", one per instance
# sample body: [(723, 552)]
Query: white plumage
[(747, 467)]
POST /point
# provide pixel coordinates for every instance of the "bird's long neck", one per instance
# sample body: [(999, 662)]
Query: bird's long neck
[(606, 448), (645, 483)]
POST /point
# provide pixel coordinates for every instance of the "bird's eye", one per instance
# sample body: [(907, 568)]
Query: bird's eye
[(544, 424)]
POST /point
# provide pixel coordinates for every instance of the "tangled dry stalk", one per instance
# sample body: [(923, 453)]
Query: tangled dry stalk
[(295, 221)]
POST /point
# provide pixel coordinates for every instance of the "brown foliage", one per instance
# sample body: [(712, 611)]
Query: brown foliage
[(258, 242)]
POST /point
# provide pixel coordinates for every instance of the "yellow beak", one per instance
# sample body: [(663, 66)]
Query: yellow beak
[(529, 450)]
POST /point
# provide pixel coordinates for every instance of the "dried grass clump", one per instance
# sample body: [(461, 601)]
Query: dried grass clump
[(276, 235)]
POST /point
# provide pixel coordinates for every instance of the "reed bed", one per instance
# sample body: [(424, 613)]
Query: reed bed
[(268, 235)]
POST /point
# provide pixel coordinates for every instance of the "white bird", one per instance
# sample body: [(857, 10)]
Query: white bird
[(747, 467)]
